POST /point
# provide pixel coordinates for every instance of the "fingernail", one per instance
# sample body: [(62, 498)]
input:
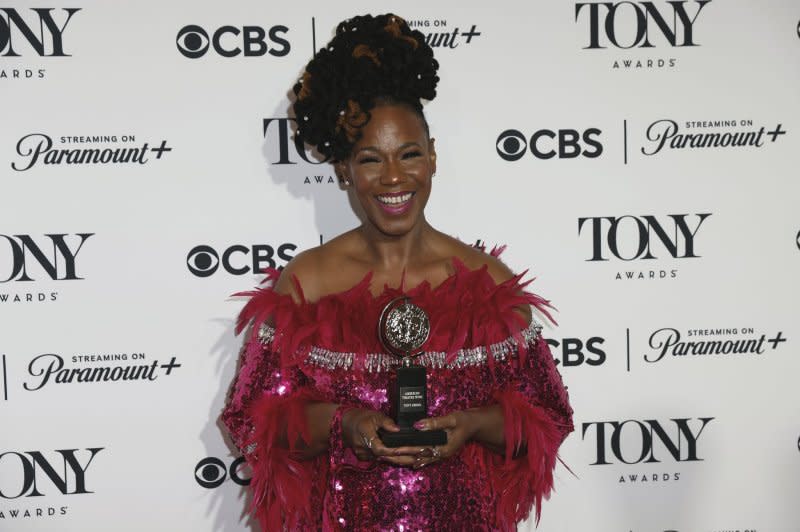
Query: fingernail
[(419, 425)]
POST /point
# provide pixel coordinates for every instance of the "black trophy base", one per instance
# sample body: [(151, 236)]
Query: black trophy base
[(412, 437)]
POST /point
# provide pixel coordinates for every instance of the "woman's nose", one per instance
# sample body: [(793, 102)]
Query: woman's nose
[(392, 174)]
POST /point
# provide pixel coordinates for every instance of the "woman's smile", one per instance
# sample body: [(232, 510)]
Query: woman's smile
[(395, 203)]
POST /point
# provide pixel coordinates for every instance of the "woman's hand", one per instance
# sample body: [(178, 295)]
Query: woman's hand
[(360, 433), (360, 428), (460, 427)]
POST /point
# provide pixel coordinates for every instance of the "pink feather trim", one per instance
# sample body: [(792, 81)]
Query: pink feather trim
[(284, 487), (467, 308), (523, 481)]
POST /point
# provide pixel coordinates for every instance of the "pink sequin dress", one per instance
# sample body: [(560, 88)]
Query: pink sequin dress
[(480, 352)]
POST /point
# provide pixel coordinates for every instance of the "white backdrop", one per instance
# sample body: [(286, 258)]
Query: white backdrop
[(100, 265)]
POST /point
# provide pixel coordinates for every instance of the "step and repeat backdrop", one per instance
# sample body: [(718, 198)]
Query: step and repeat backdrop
[(638, 157)]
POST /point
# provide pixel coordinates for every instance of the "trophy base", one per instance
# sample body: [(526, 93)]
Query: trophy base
[(412, 437)]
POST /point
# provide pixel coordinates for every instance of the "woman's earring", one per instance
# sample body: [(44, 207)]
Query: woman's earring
[(347, 182)]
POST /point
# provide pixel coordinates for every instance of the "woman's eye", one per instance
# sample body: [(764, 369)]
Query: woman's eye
[(411, 154), (368, 160)]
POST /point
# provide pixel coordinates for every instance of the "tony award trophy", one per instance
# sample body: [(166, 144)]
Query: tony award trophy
[(403, 329)]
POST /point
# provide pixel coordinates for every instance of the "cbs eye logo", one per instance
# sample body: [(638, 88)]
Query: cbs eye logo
[(545, 144), (204, 261), (211, 472), (229, 41)]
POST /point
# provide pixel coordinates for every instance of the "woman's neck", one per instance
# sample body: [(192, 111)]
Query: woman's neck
[(390, 252)]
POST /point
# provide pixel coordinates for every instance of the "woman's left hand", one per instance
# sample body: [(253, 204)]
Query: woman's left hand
[(460, 428)]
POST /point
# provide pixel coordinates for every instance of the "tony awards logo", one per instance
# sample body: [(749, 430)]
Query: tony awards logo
[(403, 329)]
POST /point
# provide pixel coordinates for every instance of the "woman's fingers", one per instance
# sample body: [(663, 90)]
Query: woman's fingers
[(433, 454), (368, 426), (403, 460), (435, 423), (370, 446), (388, 424), (364, 455), (409, 450)]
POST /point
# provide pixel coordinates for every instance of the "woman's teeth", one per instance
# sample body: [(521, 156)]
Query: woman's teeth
[(395, 200)]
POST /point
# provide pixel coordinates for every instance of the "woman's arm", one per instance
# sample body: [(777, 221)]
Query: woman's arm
[(486, 427), (541, 384)]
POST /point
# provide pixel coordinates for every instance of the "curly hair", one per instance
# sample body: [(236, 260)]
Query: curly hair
[(371, 60)]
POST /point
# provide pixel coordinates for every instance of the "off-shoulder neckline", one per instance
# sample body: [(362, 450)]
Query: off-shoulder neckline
[(465, 292), (459, 268)]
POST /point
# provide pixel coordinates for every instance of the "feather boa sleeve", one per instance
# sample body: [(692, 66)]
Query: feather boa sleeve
[(537, 419), (265, 417), (536, 409)]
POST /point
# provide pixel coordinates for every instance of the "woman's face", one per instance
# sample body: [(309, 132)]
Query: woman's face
[(390, 169)]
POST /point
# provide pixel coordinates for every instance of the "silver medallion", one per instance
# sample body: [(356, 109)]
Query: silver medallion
[(403, 327)]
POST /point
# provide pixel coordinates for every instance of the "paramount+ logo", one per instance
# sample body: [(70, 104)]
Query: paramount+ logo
[(40, 30), (512, 144), (230, 41)]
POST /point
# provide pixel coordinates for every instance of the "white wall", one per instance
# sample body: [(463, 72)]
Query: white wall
[(221, 185)]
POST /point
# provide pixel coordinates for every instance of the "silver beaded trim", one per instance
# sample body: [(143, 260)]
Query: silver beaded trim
[(473, 356), (266, 334), (251, 448)]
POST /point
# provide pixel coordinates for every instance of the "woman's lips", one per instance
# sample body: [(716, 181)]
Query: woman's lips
[(395, 202)]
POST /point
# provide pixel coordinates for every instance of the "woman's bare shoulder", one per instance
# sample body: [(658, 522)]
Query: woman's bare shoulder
[(321, 270), (303, 269)]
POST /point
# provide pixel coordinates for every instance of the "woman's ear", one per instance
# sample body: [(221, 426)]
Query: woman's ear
[(342, 173), (432, 154)]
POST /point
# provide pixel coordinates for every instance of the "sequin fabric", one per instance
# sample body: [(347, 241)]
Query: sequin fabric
[(482, 353)]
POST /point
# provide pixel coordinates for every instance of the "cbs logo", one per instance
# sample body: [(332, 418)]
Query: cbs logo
[(546, 144), (572, 351), (204, 261), (229, 41), (211, 472)]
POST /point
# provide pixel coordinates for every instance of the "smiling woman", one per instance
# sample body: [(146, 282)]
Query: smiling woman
[(321, 396), (391, 167)]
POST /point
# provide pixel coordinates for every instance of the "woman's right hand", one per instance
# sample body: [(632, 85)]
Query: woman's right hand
[(360, 433)]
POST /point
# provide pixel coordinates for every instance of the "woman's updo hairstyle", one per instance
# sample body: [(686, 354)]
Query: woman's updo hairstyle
[(370, 60)]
